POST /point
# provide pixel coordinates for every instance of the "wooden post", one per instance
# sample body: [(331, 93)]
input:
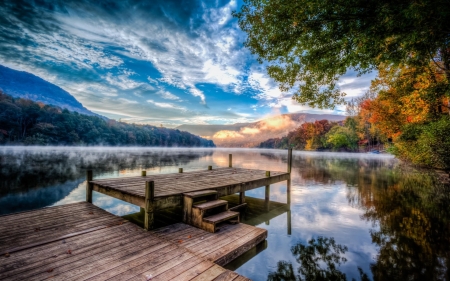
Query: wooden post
[(267, 193), (143, 173), (288, 183), (209, 167), (230, 160), (149, 197), (180, 170), (241, 197), (89, 186), (289, 160)]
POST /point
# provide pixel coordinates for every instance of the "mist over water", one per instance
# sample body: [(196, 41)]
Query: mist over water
[(389, 221)]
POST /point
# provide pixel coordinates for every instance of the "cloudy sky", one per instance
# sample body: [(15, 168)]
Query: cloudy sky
[(165, 62)]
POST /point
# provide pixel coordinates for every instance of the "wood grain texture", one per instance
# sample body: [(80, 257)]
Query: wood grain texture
[(170, 187), (83, 242)]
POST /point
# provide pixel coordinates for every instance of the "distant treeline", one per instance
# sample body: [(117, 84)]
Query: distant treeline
[(26, 122), (318, 135)]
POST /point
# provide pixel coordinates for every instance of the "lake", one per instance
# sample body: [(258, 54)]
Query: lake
[(361, 216)]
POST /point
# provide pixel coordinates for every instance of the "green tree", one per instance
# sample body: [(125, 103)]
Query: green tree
[(342, 137), (309, 44)]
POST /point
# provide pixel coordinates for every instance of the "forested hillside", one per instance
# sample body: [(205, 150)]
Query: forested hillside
[(318, 135), (26, 122)]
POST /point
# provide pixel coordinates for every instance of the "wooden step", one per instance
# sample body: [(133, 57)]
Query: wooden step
[(211, 204), (221, 217), (200, 193)]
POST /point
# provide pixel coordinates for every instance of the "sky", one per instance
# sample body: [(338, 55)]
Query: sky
[(168, 62)]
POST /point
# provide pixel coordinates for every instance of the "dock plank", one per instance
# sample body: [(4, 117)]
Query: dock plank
[(74, 244), (177, 184)]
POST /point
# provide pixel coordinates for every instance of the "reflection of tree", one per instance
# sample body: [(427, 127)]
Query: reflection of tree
[(413, 215), (319, 260), (353, 171), (22, 170)]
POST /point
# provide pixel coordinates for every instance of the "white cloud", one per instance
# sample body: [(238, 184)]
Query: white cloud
[(167, 95), (165, 105), (124, 100)]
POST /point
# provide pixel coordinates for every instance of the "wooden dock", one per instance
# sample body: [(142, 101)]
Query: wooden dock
[(162, 191), (170, 187), (80, 241)]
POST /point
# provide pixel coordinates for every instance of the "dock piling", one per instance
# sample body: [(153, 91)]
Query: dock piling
[(241, 197), (149, 197), (289, 160), (209, 167), (267, 194), (230, 160), (143, 173), (89, 186), (180, 170), (288, 184)]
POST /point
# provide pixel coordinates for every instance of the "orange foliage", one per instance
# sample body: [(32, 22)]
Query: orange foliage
[(405, 95)]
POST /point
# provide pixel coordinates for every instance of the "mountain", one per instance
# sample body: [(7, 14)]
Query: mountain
[(30, 123), (21, 84), (252, 134)]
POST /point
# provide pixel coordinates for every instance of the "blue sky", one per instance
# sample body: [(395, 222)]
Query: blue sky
[(167, 62)]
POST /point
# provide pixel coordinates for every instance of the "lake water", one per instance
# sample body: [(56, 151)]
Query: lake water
[(358, 216)]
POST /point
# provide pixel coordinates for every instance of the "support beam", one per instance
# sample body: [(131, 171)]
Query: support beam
[(149, 198), (89, 186), (230, 160)]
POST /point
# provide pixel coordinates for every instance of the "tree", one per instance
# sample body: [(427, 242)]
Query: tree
[(342, 137), (309, 44)]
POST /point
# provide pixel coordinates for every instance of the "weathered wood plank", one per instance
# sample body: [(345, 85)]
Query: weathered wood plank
[(108, 249), (87, 261), (96, 267), (59, 251), (210, 274), (129, 269), (231, 251), (47, 251), (226, 276), (167, 185), (175, 269), (193, 271)]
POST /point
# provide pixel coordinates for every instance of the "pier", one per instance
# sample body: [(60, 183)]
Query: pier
[(80, 241), (157, 192)]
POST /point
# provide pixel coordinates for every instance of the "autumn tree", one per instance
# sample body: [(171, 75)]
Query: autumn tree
[(411, 109), (309, 44)]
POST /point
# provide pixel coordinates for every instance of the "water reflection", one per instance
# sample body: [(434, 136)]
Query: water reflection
[(32, 178), (413, 233), (393, 222), (319, 260)]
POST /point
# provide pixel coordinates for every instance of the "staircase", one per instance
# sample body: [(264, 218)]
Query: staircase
[(202, 209)]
